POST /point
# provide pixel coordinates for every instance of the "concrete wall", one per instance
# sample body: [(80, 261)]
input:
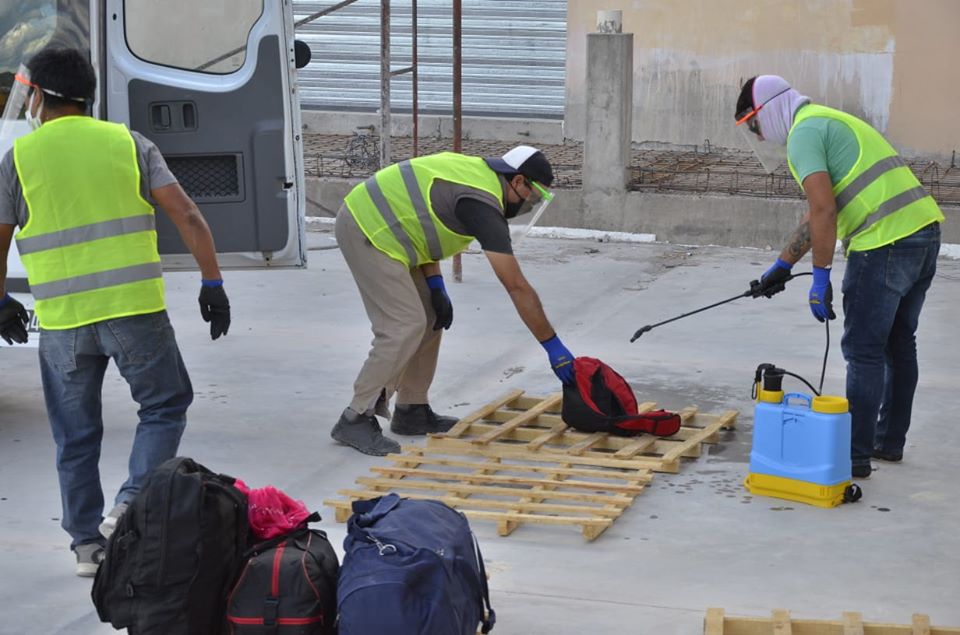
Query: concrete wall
[(720, 219), (892, 62)]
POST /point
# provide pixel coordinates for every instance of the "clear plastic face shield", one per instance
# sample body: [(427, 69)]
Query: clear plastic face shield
[(538, 201), (11, 121), (770, 154)]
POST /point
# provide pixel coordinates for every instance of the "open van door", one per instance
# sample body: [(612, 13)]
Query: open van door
[(213, 84)]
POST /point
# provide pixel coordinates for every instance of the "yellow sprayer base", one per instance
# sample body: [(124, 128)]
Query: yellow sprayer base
[(794, 490)]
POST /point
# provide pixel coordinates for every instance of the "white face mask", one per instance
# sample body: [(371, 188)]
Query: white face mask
[(34, 120)]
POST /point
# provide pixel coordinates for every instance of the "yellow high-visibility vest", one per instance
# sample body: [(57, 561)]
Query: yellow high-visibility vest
[(394, 211), (90, 244), (879, 201)]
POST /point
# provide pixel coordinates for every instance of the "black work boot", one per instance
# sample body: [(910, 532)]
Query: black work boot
[(411, 419), (889, 457), (363, 433)]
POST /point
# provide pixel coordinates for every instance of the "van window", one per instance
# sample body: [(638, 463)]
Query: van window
[(27, 26), (213, 40)]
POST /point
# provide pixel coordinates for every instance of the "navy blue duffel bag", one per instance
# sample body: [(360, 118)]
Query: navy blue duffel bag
[(411, 567)]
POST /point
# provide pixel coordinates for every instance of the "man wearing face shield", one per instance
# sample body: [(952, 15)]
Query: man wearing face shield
[(393, 230), (861, 192), (77, 188)]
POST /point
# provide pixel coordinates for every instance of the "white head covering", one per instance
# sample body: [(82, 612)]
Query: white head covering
[(780, 103)]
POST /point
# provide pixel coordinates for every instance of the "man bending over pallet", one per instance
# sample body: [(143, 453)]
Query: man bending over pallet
[(393, 230)]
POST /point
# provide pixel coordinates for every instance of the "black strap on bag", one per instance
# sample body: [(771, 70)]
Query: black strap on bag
[(260, 547), (491, 618)]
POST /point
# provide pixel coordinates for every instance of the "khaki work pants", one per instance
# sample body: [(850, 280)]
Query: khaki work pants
[(403, 354)]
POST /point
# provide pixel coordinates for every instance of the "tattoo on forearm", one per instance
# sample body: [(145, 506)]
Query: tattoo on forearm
[(800, 241)]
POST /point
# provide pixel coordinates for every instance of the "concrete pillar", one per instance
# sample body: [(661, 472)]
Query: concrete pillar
[(609, 115)]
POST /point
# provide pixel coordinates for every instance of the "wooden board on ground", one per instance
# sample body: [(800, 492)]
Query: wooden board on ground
[(510, 488), (521, 422), (851, 623)]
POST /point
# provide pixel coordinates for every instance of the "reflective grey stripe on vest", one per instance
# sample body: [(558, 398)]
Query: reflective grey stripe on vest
[(393, 223), (890, 206), (99, 280), (86, 233), (866, 178), (423, 212)]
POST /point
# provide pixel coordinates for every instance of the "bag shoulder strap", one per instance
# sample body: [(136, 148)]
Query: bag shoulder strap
[(491, 618), (266, 545)]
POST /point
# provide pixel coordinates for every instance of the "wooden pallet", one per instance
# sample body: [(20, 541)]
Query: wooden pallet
[(515, 461), (521, 422), (510, 487), (780, 623)]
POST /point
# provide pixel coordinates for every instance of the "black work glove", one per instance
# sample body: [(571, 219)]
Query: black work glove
[(13, 321), (215, 307), (441, 303), (773, 281)]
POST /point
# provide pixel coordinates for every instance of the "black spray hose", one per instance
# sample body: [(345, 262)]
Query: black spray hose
[(752, 292)]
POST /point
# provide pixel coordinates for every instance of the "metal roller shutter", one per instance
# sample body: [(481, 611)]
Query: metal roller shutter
[(514, 56)]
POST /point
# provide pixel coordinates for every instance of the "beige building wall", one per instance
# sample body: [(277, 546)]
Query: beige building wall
[(896, 63)]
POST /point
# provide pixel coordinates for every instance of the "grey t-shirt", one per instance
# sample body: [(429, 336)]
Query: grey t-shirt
[(154, 173), (472, 212)]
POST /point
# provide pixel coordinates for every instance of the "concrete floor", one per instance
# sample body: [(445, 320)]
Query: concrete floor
[(267, 395)]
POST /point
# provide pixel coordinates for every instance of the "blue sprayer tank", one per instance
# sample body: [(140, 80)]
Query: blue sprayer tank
[(801, 448)]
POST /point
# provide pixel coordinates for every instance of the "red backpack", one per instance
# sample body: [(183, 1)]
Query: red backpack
[(600, 400)]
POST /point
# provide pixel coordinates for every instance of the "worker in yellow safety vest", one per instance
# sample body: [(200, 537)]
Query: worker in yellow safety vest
[(860, 191), (77, 188), (393, 230)]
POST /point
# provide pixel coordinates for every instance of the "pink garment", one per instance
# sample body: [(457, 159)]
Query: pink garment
[(778, 104), (271, 512)]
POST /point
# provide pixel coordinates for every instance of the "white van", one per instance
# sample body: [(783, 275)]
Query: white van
[(214, 85)]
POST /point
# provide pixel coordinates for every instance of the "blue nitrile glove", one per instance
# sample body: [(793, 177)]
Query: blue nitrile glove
[(821, 295), (215, 307), (775, 279), (561, 359), (441, 303)]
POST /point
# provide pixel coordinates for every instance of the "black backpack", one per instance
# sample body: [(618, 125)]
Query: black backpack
[(288, 586), (176, 550)]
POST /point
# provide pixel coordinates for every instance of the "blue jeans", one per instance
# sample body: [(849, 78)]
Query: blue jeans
[(72, 366), (883, 293)]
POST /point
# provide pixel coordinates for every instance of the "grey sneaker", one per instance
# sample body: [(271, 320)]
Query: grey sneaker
[(89, 557), (110, 520), (363, 433), (414, 419)]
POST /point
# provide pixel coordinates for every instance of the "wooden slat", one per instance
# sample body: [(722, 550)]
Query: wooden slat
[(486, 503), (781, 622), (852, 623), (461, 426), (529, 401), (395, 485), (501, 479), (420, 459), (642, 444), (713, 622), (518, 517), (550, 436), (579, 448), (518, 452), (519, 420)]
